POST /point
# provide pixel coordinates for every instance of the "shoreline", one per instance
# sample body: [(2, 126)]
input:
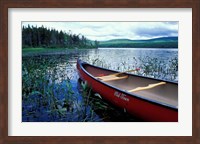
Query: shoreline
[(62, 51)]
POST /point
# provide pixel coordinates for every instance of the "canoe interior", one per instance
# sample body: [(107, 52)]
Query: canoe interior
[(166, 94)]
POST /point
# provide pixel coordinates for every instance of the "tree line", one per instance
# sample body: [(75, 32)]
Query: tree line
[(51, 38), (140, 45)]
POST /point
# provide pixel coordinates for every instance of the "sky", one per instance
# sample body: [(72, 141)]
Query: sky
[(102, 31)]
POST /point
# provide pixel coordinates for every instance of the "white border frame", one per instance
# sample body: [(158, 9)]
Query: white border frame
[(181, 128)]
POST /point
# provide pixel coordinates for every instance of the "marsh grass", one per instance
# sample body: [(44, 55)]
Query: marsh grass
[(48, 93), (51, 91), (149, 66)]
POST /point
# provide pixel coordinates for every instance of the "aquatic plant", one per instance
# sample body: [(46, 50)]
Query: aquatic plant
[(48, 93), (50, 90), (149, 66)]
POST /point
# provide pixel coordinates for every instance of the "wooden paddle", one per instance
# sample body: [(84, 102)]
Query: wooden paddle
[(147, 87)]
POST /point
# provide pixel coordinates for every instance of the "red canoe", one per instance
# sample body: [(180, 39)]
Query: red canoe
[(146, 98)]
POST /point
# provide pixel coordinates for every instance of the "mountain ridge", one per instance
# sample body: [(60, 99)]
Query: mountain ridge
[(162, 42)]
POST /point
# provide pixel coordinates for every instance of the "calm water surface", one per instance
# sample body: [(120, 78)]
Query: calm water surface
[(158, 63), (116, 56)]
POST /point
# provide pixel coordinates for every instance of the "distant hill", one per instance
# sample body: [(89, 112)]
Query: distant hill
[(163, 42)]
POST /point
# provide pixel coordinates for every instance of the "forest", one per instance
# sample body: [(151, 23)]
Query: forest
[(34, 37), (42, 37), (163, 42)]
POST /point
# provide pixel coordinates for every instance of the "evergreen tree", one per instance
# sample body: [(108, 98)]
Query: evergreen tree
[(51, 38)]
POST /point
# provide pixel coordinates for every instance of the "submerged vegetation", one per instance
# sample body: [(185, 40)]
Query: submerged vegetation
[(48, 93), (51, 90), (52, 93)]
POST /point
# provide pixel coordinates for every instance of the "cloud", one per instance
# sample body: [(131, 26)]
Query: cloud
[(114, 30), (155, 32)]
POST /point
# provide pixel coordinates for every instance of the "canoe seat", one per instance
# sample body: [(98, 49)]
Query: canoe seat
[(112, 77), (147, 87)]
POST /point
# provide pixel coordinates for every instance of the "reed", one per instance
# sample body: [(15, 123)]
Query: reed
[(149, 66), (50, 90), (48, 93)]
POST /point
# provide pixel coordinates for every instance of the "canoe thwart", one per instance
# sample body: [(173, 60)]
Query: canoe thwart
[(147, 87), (111, 77), (137, 69), (149, 99), (116, 74)]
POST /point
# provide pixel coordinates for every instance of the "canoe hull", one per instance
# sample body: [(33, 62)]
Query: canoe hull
[(143, 109)]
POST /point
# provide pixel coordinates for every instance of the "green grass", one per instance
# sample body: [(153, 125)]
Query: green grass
[(36, 51)]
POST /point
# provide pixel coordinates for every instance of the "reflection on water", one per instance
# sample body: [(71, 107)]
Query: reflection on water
[(156, 63), (124, 59), (52, 91)]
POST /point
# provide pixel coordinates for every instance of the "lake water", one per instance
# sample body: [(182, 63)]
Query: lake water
[(60, 68), (116, 56), (156, 63)]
